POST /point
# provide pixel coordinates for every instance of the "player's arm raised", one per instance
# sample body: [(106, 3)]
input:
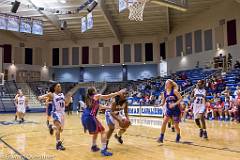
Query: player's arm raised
[(192, 95), (163, 100), (16, 99), (49, 95), (104, 106), (109, 96)]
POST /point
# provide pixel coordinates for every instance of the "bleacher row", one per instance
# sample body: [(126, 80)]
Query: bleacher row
[(138, 89), (185, 84)]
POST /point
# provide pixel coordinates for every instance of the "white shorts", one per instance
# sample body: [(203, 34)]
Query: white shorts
[(111, 121), (198, 109), (21, 109), (58, 117)]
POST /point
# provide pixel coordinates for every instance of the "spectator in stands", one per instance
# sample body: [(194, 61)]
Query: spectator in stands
[(220, 62), (70, 106), (186, 109), (183, 76), (235, 110), (197, 64), (214, 85), (229, 60), (218, 107), (236, 91), (2, 91), (209, 111), (237, 65), (226, 92)]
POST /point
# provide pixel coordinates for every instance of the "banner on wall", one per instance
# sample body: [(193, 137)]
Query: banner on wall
[(145, 111), (89, 21), (122, 5), (163, 68), (84, 24)]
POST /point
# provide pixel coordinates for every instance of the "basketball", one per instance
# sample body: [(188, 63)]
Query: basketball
[(125, 123)]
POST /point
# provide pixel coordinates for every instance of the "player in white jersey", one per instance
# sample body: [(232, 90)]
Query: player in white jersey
[(15, 99), (199, 107), (117, 117), (59, 102), (21, 103)]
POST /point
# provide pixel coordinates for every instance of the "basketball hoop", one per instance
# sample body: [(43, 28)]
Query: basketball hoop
[(136, 8)]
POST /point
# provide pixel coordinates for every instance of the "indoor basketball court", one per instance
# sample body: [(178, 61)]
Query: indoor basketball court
[(119, 79)]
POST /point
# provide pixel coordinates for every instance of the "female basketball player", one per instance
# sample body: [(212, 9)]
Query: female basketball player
[(59, 101), (117, 117), (172, 98), (90, 121), (21, 104), (199, 107), (15, 100)]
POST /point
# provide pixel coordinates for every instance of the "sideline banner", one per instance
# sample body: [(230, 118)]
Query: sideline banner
[(145, 111)]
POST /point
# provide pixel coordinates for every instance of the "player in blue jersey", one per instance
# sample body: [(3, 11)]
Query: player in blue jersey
[(90, 121), (171, 98)]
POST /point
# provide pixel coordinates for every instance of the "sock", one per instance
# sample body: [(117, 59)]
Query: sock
[(104, 146), (54, 127), (162, 135), (119, 134), (107, 142), (212, 114), (94, 142)]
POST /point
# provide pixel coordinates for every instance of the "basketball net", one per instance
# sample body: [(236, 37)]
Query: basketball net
[(136, 8)]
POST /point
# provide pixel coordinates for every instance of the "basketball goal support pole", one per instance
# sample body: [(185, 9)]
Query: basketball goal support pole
[(172, 5)]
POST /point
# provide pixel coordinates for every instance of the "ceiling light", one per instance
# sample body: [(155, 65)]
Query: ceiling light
[(63, 1), (15, 6), (92, 5)]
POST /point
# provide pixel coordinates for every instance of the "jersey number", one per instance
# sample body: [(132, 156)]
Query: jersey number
[(199, 101), (61, 104)]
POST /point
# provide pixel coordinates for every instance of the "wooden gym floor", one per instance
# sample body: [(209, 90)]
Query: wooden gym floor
[(31, 140)]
